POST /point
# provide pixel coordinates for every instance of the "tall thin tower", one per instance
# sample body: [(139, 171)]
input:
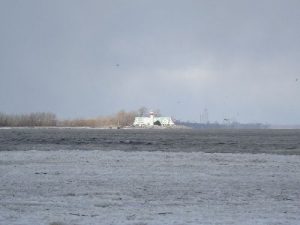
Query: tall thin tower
[(206, 116)]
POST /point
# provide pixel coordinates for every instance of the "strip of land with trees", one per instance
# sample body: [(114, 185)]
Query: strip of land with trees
[(47, 119)]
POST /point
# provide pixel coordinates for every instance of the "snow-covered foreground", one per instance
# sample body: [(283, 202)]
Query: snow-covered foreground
[(114, 187)]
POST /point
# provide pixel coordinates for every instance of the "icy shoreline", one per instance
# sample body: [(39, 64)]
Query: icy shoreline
[(115, 187)]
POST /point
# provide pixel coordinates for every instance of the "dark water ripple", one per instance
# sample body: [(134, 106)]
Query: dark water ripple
[(285, 142)]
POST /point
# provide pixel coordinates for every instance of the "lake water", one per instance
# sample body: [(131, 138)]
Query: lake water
[(285, 142)]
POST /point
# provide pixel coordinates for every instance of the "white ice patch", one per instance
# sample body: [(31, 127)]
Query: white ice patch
[(115, 187)]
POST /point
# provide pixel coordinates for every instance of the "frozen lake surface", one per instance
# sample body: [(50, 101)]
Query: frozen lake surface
[(149, 184)]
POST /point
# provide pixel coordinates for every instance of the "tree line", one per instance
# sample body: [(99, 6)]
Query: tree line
[(47, 119), (30, 120), (120, 119)]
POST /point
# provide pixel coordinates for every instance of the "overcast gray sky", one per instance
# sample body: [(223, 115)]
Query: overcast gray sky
[(238, 59)]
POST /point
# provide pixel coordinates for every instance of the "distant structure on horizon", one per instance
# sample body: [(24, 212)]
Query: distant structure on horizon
[(152, 120)]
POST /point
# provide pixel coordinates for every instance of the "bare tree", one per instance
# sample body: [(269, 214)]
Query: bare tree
[(157, 112), (32, 119), (122, 118), (142, 111)]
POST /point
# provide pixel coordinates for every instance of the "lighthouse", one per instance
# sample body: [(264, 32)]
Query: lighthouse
[(151, 118)]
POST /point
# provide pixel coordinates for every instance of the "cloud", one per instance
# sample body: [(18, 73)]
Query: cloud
[(233, 58)]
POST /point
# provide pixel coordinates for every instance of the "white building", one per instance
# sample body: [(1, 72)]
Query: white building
[(152, 120)]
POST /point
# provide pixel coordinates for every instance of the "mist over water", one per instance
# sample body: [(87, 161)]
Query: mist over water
[(284, 142)]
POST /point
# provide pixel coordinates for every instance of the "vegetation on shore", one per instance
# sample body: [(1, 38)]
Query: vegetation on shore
[(48, 119), (30, 120), (45, 119)]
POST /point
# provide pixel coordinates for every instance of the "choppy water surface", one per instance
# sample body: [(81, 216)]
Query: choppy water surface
[(231, 141)]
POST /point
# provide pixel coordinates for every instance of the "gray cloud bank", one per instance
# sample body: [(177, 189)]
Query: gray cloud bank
[(238, 59)]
